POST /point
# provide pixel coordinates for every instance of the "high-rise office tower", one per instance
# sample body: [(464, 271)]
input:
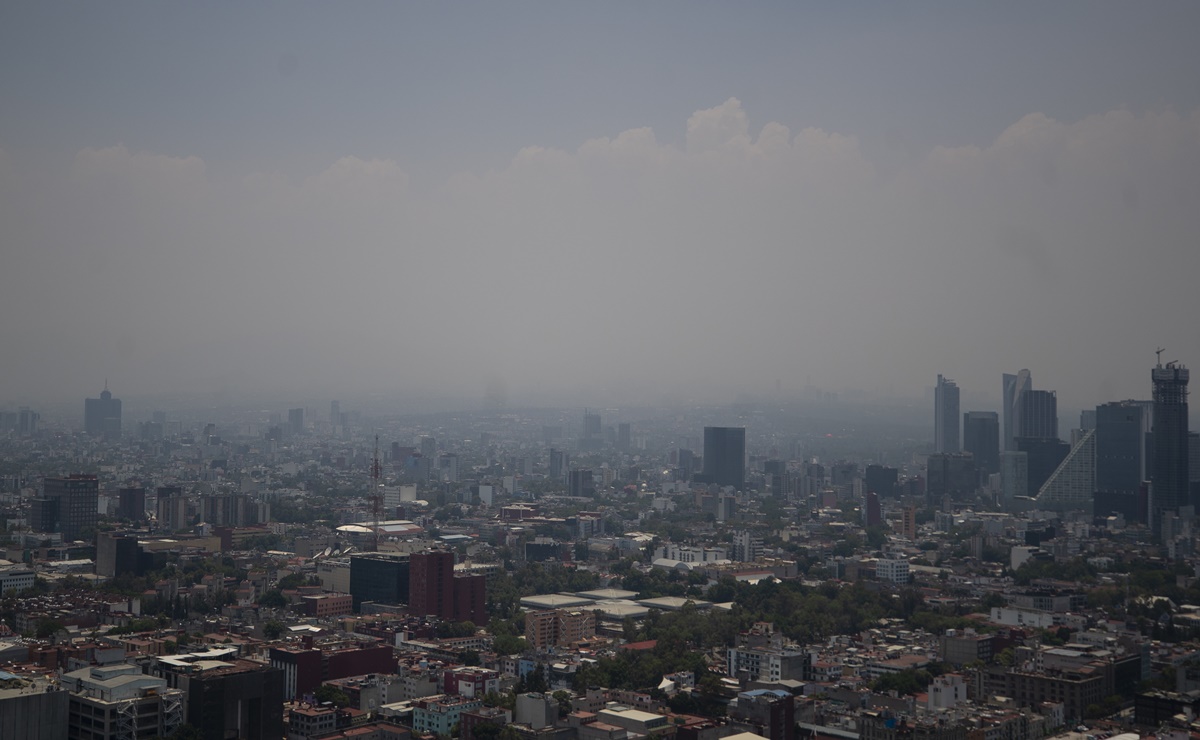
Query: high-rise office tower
[(1039, 414), (382, 577), (295, 421), (591, 425), (435, 589), (725, 456), (172, 508), (981, 438), (945, 416), (1169, 469), (624, 437), (558, 465), (102, 416), (430, 588), (1121, 428), (1045, 454), (1014, 476), (335, 413), (872, 511), (1015, 387), (131, 504), (67, 505), (1072, 485), (580, 483), (881, 479)]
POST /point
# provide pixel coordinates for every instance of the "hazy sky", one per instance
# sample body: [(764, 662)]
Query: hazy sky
[(623, 200)]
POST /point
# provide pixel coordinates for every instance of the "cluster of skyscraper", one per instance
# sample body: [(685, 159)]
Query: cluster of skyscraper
[(1133, 458)]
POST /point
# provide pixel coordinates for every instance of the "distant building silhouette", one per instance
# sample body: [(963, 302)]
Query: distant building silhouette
[(1039, 414), (102, 416), (1169, 475), (67, 505), (881, 480), (945, 416), (725, 456), (1072, 485), (981, 438), (1015, 387), (1122, 428), (1044, 455), (295, 421)]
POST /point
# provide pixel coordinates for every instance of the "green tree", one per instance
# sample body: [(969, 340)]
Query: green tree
[(564, 702), (509, 645), (273, 599), (329, 693), (47, 628), (273, 629)]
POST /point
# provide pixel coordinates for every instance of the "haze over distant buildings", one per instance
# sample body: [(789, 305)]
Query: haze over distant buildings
[(594, 205)]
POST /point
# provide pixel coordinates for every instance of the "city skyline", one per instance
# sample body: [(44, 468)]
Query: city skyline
[(400, 202)]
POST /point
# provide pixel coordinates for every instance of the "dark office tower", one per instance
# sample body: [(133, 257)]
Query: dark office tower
[(1120, 446), (950, 475), (591, 425), (624, 438), (558, 465), (429, 447), (1039, 414), (1015, 387), (1045, 454), (379, 577), (872, 511), (580, 483), (725, 456), (27, 421), (239, 698), (295, 421), (981, 438), (335, 413), (1169, 469), (102, 416), (945, 416), (131, 504), (881, 480), (116, 554), (431, 586), (70, 505)]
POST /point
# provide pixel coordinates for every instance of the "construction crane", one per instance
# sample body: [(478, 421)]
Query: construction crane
[(376, 496)]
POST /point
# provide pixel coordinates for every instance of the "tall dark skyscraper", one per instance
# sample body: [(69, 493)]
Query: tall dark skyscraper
[(1045, 454), (1121, 428), (725, 456), (1169, 468), (67, 505), (1015, 387), (1039, 414), (430, 579), (379, 576), (295, 421), (981, 438), (102, 416), (945, 416)]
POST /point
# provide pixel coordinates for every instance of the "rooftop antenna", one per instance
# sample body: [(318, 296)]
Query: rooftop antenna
[(1158, 354), (376, 496)]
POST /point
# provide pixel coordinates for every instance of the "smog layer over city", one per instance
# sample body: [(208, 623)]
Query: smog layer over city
[(599, 371)]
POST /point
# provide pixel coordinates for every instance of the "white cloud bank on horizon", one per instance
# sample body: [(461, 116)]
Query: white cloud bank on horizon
[(623, 271)]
